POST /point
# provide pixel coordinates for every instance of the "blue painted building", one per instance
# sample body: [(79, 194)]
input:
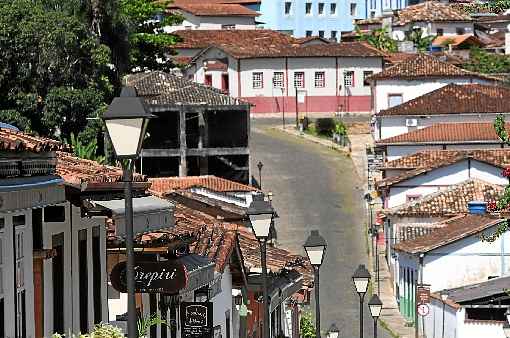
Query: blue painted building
[(325, 18)]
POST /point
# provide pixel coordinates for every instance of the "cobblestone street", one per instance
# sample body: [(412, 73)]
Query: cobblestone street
[(317, 188)]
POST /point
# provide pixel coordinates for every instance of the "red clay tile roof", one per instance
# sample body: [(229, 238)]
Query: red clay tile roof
[(215, 9), (164, 185), (76, 170), (213, 239), (456, 99), (455, 229), (217, 240), (266, 43), (426, 161), (12, 140), (277, 259), (449, 202), (425, 66), (457, 40), (443, 133), (430, 11)]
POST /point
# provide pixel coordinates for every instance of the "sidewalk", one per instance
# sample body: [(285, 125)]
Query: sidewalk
[(390, 315), (327, 143)]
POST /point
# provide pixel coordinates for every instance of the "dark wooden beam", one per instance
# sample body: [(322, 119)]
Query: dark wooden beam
[(195, 152)]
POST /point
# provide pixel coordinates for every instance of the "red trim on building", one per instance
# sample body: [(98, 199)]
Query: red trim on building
[(312, 104)]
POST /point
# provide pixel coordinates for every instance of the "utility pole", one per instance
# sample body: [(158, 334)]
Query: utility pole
[(297, 109)]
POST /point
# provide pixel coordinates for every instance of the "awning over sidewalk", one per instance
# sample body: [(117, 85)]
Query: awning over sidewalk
[(149, 214), (147, 204), (200, 271)]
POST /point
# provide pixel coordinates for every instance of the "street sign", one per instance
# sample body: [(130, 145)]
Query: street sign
[(196, 319), (151, 277), (423, 309), (423, 294)]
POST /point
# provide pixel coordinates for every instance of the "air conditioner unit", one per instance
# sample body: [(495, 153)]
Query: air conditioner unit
[(411, 122)]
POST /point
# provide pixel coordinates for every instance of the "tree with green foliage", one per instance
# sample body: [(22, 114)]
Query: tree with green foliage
[(488, 63), (53, 72), (379, 38), (306, 326), (132, 29), (62, 61), (421, 42)]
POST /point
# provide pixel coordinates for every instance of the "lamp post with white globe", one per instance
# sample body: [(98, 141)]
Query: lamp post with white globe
[(126, 120), (315, 247)]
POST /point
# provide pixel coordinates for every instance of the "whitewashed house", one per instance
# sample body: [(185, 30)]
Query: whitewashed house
[(462, 252), (429, 17), (274, 72), (414, 78), (426, 214), (471, 311), (204, 16), (442, 136), (424, 173)]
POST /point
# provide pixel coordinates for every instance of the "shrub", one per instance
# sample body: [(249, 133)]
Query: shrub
[(340, 128), (325, 126)]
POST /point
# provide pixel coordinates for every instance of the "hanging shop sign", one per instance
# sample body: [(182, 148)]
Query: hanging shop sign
[(196, 319), (151, 277), (423, 294)]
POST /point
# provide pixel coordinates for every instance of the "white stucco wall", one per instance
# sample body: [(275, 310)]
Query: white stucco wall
[(70, 228), (268, 66), (211, 22), (455, 324), (430, 28), (474, 261), (442, 178)]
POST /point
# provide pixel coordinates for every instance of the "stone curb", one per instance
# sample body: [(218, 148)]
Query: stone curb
[(314, 139)]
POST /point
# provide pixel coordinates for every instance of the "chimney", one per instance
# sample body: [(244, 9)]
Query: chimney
[(477, 207)]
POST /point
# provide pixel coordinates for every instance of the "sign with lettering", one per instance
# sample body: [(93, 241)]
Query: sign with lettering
[(196, 319), (151, 277), (423, 294)]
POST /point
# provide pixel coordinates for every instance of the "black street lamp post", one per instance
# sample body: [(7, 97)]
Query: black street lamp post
[(444, 297), (375, 307), (315, 247), (261, 215), (126, 121), (361, 278), (259, 166)]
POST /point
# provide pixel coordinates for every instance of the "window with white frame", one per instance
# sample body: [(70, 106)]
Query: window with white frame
[(333, 35), (320, 79), (278, 80), (258, 80), (349, 78), (299, 80), (332, 8), (321, 34), (309, 33), (320, 8), (288, 7)]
